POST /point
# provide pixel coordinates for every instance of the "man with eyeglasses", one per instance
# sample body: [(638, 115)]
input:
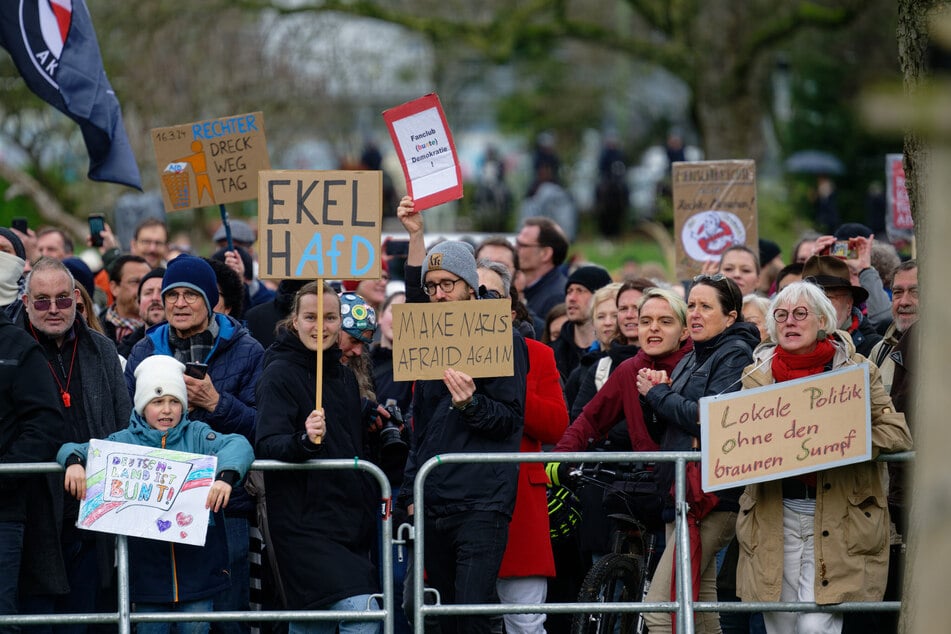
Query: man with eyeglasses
[(84, 366), (895, 356), (223, 396), (832, 274), (150, 241), (31, 430), (542, 248), (468, 506)]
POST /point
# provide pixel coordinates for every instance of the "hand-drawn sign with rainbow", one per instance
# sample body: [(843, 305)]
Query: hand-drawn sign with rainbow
[(146, 492)]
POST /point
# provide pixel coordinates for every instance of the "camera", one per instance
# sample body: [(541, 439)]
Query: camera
[(393, 449)]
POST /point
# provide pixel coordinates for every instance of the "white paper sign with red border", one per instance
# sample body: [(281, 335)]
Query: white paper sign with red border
[(147, 492), (427, 153)]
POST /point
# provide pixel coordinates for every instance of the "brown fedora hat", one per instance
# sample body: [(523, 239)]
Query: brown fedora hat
[(829, 272)]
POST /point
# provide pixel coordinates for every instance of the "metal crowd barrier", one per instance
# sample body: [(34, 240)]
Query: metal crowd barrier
[(684, 606), (125, 617)]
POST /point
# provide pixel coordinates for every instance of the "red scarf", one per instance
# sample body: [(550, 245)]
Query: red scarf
[(788, 366)]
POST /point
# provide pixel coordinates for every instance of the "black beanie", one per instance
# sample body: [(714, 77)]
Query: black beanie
[(591, 277), (15, 241)]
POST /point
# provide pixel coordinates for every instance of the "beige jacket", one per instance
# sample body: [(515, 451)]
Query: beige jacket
[(851, 521)]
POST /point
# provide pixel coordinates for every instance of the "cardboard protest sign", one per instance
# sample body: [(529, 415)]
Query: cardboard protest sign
[(714, 209), (147, 492), (320, 224), (474, 337), (899, 223), (787, 429), (428, 155), (210, 162)]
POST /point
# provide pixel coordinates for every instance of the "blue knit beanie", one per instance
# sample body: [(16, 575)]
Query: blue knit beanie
[(190, 271)]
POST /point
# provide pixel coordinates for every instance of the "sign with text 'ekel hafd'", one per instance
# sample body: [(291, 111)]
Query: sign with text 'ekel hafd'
[(320, 224)]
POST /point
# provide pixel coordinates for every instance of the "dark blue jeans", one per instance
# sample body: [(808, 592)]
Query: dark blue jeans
[(237, 597), (11, 547), (463, 553)]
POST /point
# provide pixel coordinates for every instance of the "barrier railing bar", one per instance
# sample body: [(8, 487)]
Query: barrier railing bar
[(125, 617), (685, 606)]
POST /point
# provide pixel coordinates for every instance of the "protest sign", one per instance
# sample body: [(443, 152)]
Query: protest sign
[(899, 224), (787, 429), (147, 492), (424, 145), (320, 224), (474, 337), (714, 209), (210, 162)]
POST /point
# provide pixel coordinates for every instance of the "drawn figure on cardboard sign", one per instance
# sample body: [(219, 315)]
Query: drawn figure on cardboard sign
[(708, 234), (199, 165)]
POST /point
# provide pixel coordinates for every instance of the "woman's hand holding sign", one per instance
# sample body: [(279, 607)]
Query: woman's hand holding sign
[(315, 427)]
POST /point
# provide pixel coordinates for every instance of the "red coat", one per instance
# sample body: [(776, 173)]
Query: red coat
[(528, 553)]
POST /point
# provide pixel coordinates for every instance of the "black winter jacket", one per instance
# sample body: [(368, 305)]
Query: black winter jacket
[(713, 367), (322, 522), (31, 430)]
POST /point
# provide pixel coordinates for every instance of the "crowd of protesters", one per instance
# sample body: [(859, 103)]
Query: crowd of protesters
[(200, 353)]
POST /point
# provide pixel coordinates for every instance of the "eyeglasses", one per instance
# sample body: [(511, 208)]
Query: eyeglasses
[(43, 305), (446, 286), (717, 277), (798, 313), (151, 243), (190, 297), (525, 245)]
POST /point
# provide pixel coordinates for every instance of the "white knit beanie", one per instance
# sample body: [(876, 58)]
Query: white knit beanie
[(157, 376), (11, 268)]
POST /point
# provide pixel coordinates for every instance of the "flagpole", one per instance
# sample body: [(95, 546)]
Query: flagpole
[(227, 226)]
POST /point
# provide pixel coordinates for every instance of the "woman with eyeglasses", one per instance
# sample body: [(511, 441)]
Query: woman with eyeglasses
[(722, 346), (839, 513)]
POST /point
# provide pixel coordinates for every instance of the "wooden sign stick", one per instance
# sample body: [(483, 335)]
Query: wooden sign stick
[(320, 355)]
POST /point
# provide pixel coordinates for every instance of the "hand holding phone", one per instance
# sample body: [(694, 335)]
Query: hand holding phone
[(21, 225), (196, 370), (96, 226)]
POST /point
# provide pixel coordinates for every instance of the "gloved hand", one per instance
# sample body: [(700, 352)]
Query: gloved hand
[(559, 474)]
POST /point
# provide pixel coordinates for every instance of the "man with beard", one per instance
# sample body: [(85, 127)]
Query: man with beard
[(151, 309), (122, 317), (577, 335), (468, 506)]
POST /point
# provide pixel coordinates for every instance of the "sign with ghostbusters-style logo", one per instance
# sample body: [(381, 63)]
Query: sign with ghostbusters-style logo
[(714, 209), (708, 234)]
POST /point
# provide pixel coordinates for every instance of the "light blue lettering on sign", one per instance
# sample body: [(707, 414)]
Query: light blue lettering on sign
[(216, 128), (354, 267), (314, 252)]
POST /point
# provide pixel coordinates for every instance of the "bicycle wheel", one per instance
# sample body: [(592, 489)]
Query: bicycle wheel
[(615, 578)]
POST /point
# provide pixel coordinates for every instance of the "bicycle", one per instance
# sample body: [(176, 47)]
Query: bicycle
[(624, 574)]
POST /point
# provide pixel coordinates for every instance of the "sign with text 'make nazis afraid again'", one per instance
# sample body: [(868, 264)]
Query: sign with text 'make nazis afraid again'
[(786, 429), (474, 337)]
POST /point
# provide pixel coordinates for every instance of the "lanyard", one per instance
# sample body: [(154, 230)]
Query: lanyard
[(63, 391)]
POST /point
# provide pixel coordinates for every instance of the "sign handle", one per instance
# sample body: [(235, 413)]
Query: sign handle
[(320, 353), (227, 225)]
